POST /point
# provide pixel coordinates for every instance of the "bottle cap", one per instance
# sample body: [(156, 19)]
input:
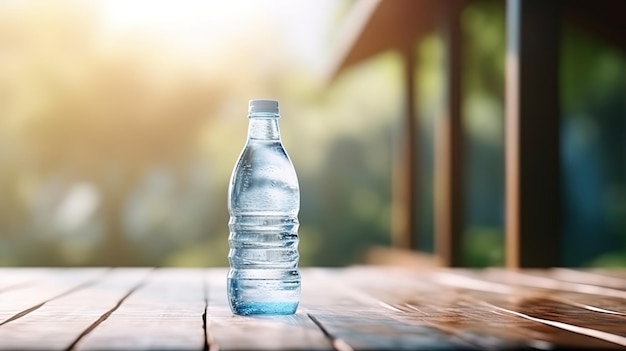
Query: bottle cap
[(263, 106)]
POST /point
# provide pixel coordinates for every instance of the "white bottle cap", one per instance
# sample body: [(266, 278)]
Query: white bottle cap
[(263, 106)]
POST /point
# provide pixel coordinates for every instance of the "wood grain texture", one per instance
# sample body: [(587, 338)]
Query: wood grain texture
[(556, 311), (40, 287), (19, 278), (60, 321), (356, 318), (165, 313), (354, 308), (479, 313)]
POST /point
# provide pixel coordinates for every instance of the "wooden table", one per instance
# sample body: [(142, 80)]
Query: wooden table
[(342, 309)]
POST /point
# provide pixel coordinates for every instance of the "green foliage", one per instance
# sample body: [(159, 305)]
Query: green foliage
[(593, 86), (610, 260), (590, 70), (483, 247), (152, 136)]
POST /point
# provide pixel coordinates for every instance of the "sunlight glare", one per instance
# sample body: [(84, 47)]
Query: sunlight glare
[(197, 26)]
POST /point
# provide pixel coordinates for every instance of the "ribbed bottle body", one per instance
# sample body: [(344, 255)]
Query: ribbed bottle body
[(263, 202)]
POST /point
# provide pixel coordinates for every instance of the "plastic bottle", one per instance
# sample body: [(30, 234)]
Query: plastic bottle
[(263, 202)]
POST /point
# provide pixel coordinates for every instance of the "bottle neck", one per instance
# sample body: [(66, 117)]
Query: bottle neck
[(263, 127)]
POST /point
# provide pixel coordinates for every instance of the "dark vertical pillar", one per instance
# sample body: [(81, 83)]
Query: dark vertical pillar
[(404, 187), (532, 134), (448, 145)]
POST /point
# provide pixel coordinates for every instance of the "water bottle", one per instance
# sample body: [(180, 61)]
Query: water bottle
[(263, 202)]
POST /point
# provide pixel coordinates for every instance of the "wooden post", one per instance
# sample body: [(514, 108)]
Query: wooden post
[(448, 146), (404, 187), (532, 134)]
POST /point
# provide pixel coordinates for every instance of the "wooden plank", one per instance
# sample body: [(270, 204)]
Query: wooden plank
[(470, 317), (409, 297), (359, 321), (609, 272), (533, 280), (16, 278), (532, 134), (549, 309), (230, 332), (42, 287), (588, 277), (529, 285), (559, 322), (597, 338), (57, 324), (165, 314), (343, 309), (534, 284), (467, 308), (448, 171)]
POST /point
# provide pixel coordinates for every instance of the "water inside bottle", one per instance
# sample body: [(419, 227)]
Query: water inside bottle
[(264, 296), (264, 202)]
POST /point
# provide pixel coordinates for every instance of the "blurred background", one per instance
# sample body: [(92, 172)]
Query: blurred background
[(121, 121)]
